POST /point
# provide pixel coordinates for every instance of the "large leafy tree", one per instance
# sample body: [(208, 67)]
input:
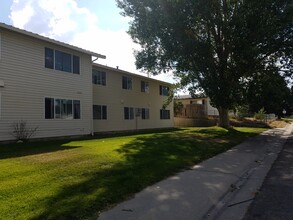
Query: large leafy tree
[(213, 45), (269, 91)]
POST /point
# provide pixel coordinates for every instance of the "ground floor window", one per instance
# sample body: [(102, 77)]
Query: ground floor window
[(100, 112), (56, 108), (164, 114), (145, 113), (128, 113)]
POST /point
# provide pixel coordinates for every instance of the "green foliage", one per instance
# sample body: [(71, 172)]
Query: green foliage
[(212, 45), (178, 106), (242, 111), (77, 179), (268, 90), (260, 115)]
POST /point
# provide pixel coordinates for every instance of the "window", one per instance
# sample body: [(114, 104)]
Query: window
[(62, 61), (49, 108), (164, 114), (164, 90), (126, 83), (66, 109), (62, 108), (145, 87), (76, 109), (99, 77), (49, 58), (76, 63), (57, 104), (100, 112), (145, 113), (128, 113)]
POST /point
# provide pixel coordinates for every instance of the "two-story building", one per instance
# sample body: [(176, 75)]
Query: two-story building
[(127, 101), (56, 87)]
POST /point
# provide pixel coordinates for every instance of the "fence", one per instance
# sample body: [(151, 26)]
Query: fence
[(192, 111)]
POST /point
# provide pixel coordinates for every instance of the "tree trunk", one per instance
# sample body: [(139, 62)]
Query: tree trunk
[(223, 118)]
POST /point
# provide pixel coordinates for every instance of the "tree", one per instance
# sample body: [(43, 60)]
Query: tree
[(213, 45), (269, 91)]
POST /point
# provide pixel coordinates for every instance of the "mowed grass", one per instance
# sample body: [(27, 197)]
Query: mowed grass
[(76, 179)]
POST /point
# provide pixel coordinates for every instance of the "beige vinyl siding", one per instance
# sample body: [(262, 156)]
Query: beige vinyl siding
[(0, 45), (28, 82), (0, 105), (212, 111), (115, 98)]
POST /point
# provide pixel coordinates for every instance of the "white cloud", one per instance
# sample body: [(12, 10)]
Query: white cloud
[(21, 13), (64, 20)]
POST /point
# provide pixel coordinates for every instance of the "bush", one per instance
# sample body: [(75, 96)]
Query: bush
[(260, 115), (21, 132), (242, 112)]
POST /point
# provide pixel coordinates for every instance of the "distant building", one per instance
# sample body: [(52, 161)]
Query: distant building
[(196, 107)]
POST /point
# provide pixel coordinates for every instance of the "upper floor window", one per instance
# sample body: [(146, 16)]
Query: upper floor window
[(164, 90), (126, 83), (164, 114), (62, 108), (128, 113), (58, 60), (145, 87), (99, 77), (100, 112)]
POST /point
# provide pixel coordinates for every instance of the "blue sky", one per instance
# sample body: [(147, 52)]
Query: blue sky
[(95, 25)]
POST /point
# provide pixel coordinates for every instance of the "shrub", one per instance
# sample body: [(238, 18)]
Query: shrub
[(242, 112), (21, 132), (260, 115)]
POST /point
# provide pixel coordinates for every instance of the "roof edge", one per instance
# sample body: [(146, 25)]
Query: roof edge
[(129, 73), (40, 37)]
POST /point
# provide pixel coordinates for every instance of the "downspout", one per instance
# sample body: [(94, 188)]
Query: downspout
[(92, 92)]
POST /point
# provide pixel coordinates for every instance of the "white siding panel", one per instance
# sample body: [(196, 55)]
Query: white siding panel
[(0, 46), (0, 105), (28, 82)]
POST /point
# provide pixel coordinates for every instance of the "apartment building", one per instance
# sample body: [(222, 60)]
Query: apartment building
[(56, 87)]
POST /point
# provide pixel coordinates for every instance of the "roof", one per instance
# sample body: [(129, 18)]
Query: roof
[(190, 97), (37, 36), (128, 73)]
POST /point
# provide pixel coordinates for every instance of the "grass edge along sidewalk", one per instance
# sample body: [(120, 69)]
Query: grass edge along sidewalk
[(77, 179)]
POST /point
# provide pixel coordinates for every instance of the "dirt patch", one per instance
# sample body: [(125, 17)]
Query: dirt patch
[(247, 122), (278, 124)]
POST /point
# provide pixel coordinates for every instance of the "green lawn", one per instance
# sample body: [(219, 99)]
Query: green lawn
[(77, 179), (288, 119)]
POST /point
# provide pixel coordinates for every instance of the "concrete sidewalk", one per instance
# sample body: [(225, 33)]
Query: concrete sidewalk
[(275, 198), (221, 187)]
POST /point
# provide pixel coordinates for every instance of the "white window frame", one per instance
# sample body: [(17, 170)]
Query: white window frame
[(63, 52), (68, 118)]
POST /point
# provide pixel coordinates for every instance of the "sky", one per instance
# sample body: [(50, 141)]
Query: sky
[(95, 25)]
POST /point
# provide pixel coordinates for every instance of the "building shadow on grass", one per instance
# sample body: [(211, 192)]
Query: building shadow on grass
[(147, 160), (33, 148)]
